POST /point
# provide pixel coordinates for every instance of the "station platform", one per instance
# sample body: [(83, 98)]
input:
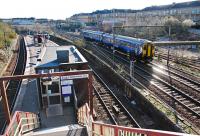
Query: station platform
[(27, 99)]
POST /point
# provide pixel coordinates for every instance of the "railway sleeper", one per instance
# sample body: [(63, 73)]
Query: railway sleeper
[(173, 91), (108, 104), (196, 108), (116, 109), (103, 92), (178, 97), (186, 102), (174, 94), (190, 105), (188, 83), (182, 98), (198, 112), (108, 101), (167, 90), (106, 97), (123, 117)]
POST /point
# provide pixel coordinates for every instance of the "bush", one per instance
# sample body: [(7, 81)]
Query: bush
[(6, 35), (12, 35)]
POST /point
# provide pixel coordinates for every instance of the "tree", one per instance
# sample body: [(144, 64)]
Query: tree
[(179, 30), (188, 23)]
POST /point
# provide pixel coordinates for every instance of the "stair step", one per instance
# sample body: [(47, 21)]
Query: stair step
[(69, 130)]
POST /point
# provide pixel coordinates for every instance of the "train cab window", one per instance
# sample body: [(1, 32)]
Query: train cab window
[(145, 47)]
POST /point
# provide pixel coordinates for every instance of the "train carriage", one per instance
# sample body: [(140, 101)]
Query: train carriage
[(140, 49), (93, 35), (107, 39)]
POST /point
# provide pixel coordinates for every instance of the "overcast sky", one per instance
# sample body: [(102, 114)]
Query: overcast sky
[(61, 9)]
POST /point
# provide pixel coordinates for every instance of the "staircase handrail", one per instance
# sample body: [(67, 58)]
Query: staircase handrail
[(21, 119)]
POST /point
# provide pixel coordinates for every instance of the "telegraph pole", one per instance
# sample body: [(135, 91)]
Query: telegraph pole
[(113, 31), (168, 46), (132, 68), (113, 48)]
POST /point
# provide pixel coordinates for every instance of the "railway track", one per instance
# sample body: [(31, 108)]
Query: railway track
[(118, 114), (194, 60), (176, 98), (186, 85), (193, 84), (191, 63), (13, 86)]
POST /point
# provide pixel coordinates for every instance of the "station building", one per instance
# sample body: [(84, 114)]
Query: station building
[(56, 93)]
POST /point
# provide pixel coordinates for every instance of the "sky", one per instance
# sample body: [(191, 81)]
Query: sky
[(61, 9)]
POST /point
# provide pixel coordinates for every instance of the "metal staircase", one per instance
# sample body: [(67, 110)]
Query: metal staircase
[(28, 124)]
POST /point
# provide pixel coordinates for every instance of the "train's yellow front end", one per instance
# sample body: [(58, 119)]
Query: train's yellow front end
[(148, 51)]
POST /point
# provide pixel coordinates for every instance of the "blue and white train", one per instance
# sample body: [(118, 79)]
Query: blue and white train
[(135, 48)]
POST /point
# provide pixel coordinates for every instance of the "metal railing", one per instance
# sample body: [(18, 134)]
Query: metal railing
[(84, 118), (101, 129), (21, 123)]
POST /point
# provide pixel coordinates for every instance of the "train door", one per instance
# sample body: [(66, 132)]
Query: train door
[(144, 52), (149, 50)]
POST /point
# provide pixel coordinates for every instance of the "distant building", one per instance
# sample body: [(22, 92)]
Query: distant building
[(23, 21), (82, 18), (9, 21), (42, 21), (182, 11)]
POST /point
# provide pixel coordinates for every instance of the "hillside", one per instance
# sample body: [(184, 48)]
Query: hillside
[(170, 6)]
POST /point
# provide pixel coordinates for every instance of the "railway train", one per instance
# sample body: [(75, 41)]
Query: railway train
[(134, 48)]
